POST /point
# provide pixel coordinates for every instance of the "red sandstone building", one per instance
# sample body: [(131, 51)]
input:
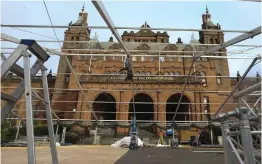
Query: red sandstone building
[(159, 93), (157, 81)]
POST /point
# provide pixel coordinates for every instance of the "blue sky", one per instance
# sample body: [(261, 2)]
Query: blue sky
[(170, 14)]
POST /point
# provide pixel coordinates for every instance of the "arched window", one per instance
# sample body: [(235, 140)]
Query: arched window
[(148, 73), (219, 79), (203, 79), (94, 57), (166, 73), (143, 73), (179, 58), (138, 73), (134, 58), (142, 58), (171, 58), (151, 58), (171, 73), (177, 73)]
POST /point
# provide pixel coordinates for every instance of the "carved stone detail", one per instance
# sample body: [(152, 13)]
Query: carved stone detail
[(143, 47), (171, 47), (115, 46), (188, 48)]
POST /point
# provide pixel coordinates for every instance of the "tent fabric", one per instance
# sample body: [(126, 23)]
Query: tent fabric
[(126, 141)]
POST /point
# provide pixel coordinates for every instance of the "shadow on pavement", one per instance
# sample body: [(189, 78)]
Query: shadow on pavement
[(169, 156)]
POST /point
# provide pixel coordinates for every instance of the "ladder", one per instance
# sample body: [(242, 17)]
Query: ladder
[(24, 87)]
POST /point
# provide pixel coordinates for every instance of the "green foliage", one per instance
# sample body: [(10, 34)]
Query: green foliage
[(40, 130), (7, 132), (72, 137)]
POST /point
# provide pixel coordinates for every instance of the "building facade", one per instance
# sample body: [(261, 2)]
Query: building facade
[(158, 81)]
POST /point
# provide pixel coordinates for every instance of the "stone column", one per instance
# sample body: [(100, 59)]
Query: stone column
[(161, 116), (123, 116)]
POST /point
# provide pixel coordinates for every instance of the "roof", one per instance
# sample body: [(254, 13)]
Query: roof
[(145, 32), (95, 44)]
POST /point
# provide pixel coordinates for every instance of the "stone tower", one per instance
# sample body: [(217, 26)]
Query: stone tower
[(77, 31), (215, 37)]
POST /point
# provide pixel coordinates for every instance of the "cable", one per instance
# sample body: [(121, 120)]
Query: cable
[(235, 52), (192, 44), (33, 33), (130, 28), (115, 102), (139, 75), (173, 56), (63, 111), (52, 26), (152, 51), (118, 90), (241, 67), (245, 50), (68, 62)]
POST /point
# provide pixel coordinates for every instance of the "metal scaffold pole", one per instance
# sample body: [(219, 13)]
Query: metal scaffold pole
[(226, 145), (246, 137), (28, 74), (52, 137), (29, 111)]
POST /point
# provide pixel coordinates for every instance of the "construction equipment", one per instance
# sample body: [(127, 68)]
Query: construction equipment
[(133, 139)]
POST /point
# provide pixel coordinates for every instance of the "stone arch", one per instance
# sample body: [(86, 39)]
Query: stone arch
[(171, 47), (148, 93), (185, 107), (188, 48), (147, 108), (115, 46), (143, 47), (105, 103)]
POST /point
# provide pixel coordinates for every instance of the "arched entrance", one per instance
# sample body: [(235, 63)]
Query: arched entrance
[(183, 110), (144, 104), (105, 107)]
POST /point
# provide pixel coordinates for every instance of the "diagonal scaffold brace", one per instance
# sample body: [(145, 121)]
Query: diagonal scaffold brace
[(28, 74), (128, 67)]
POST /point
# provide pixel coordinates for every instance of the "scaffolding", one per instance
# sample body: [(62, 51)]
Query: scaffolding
[(248, 117)]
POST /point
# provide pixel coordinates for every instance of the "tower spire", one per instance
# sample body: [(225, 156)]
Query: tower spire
[(192, 36), (207, 12), (83, 8)]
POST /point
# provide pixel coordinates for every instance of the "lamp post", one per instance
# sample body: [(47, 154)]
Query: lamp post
[(208, 117), (74, 110)]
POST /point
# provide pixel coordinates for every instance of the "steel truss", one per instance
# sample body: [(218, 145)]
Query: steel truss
[(147, 55), (192, 44), (27, 74), (105, 15), (246, 149)]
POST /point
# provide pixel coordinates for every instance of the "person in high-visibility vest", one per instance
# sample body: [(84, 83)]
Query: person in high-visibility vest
[(161, 137)]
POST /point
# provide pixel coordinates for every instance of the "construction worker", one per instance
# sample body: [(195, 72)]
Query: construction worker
[(128, 67), (161, 137)]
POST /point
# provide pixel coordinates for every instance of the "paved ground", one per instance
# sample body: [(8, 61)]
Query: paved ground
[(108, 155), (66, 155)]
